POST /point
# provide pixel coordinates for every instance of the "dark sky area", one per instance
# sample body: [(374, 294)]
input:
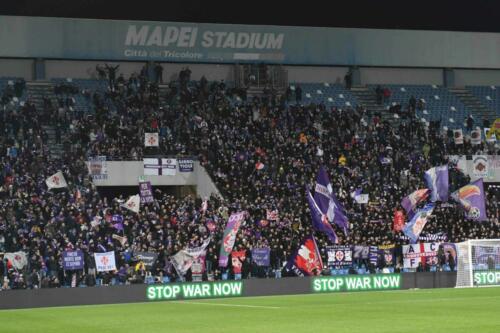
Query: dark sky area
[(478, 15)]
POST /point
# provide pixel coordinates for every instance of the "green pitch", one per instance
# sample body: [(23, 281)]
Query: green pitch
[(438, 310)]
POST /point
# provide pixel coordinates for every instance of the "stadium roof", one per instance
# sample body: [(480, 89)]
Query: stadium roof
[(480, 15)]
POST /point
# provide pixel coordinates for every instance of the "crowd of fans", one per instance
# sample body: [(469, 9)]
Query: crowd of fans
[(230, 136)]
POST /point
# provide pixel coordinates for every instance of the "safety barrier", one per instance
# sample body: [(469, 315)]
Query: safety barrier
[(16, 299)]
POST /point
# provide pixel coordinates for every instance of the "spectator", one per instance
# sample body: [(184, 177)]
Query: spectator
[(298, 94)]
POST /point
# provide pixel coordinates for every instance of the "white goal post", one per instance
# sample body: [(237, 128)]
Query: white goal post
[(478, 263)]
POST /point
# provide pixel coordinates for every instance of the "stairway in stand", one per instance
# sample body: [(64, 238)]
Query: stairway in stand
[(367, 98), (473, 104), (36, 91)]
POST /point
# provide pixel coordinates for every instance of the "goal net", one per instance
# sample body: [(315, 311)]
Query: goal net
[(478, 263)]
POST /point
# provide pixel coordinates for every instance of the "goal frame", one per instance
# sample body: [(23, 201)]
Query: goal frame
[(469, 243)]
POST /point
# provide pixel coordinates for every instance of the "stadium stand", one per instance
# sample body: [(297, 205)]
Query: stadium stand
[(261, 152)]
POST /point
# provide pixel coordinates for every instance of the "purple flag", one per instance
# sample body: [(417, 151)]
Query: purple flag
[(261, 256), (117, 222), (118, 226), (232, 227), (320, 220), (328, 203), (437, 181), (471, 198), (146, 192), (410, 202), (413, 228)]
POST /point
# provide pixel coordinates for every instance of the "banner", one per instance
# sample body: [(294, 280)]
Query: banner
[(98, 168), (489, 135), (472, 199), (414, 228), (410, 202), (182, 262), (186, 165), (475, 137), (496, 127), (437, 182), (232, 227), (339, 256), (185, 258), (198, 250), (388, 252), (198, 266), (483, 254), (480, 166), (306, 260), (121, 239), (133, 203), (72, 260), (148, 258), (56, 181), (458, 137), (146, 192), (261, 256), (439, 237), (272, 215), (398, 220), (361, 252), (423, 253), (18, 259), (460, 161), (160, 166), (151, 140), (328, 203), (450, 249), (105, 262), (237, 259), (373, 256), (320, 220), (362, 199)]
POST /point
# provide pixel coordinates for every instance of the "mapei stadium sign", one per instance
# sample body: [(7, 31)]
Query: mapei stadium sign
[(111, 40)]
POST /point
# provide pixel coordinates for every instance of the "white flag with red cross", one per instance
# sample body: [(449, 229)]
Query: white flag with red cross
[(133, 203), (56, 181)]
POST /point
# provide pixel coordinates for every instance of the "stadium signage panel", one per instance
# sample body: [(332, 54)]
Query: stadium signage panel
[(229, 43), (195, 290), (487, 278), (356, 283)]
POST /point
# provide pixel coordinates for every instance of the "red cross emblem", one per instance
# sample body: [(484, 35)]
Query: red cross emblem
[(55, 180), (131, 204)]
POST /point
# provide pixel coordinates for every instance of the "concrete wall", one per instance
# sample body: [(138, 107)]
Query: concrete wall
[(127, 173), (205, 185), (86, 70), (471, 77), (376, 75), (17, 68), (16, 299), (309, 74)]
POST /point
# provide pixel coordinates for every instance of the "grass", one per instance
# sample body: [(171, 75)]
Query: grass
[(431, 310)]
